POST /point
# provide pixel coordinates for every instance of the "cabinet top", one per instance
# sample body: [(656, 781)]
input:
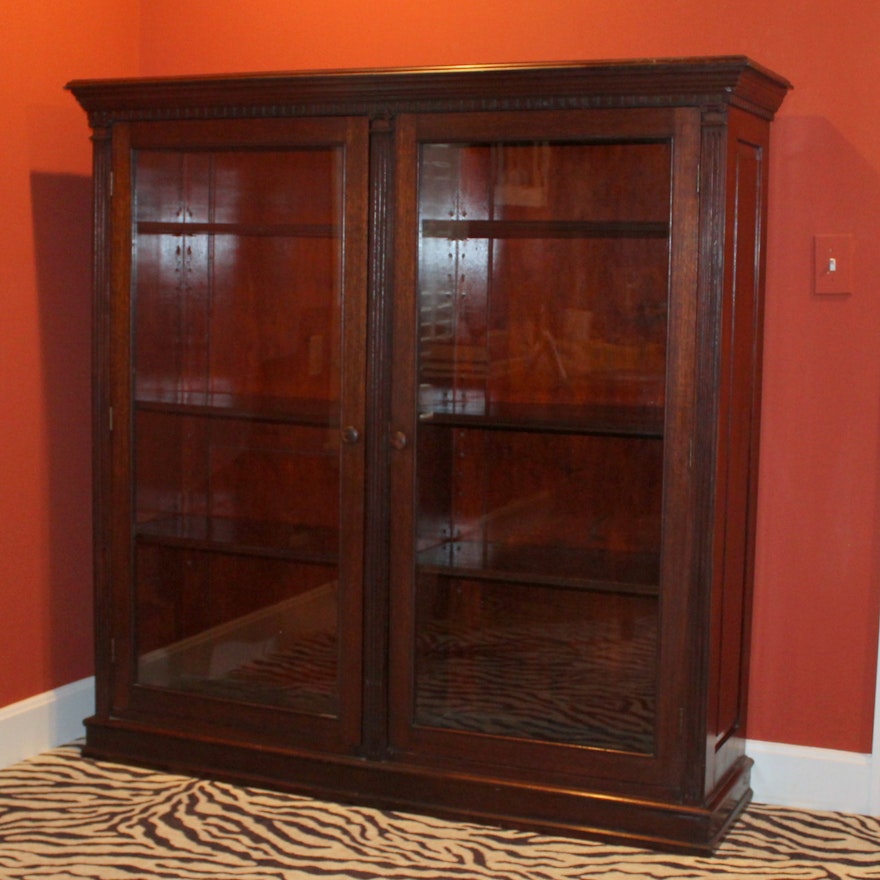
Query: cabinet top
[(703, 82)]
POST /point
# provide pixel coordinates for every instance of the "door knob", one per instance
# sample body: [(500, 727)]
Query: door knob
[(399, 440), (350, 435)]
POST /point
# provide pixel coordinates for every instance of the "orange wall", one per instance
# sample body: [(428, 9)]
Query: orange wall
[(818, 567), (45, 554)]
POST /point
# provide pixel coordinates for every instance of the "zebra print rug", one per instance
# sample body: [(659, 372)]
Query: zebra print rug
[(63, 817)]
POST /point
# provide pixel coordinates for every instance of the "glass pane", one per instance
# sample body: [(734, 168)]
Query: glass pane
[(542, 347), (575, 499), (247, 307), (538, 585), (543, 275), (202, 627), (237, 395)]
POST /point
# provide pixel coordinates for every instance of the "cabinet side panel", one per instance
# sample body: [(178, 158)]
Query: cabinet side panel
[(738, 426)]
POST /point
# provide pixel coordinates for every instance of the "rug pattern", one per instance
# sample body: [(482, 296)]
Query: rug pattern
[(63, 817)]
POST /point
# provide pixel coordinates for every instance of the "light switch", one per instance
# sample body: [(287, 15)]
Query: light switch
[(833, 264)]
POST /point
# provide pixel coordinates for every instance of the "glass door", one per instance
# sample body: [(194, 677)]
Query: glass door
[(530, 607), (246, 408)]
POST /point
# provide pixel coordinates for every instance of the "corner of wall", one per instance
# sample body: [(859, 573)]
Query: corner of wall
[(45, 721), (810, 778)]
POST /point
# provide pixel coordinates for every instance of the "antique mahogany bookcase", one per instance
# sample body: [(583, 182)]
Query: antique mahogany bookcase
[(426, 421)]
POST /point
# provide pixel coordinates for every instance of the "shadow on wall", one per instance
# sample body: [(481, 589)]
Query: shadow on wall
[(62, 217)]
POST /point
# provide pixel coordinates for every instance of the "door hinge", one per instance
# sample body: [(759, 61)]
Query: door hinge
[(112, 652), (110, 419), (112, 183)]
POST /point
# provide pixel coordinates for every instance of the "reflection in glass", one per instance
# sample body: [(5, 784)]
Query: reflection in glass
[(521, 661)]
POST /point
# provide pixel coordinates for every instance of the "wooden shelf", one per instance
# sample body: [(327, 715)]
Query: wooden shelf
[(629, 421), (260, 230), (302, 411), (611, 571), (458, 230), (295, 542)]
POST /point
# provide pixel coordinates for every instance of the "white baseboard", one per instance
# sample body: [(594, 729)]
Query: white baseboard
[(816, 779), (785, 775), (45, 721)]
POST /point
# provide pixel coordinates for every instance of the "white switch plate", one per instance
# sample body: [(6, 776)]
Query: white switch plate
[(833, 264)]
